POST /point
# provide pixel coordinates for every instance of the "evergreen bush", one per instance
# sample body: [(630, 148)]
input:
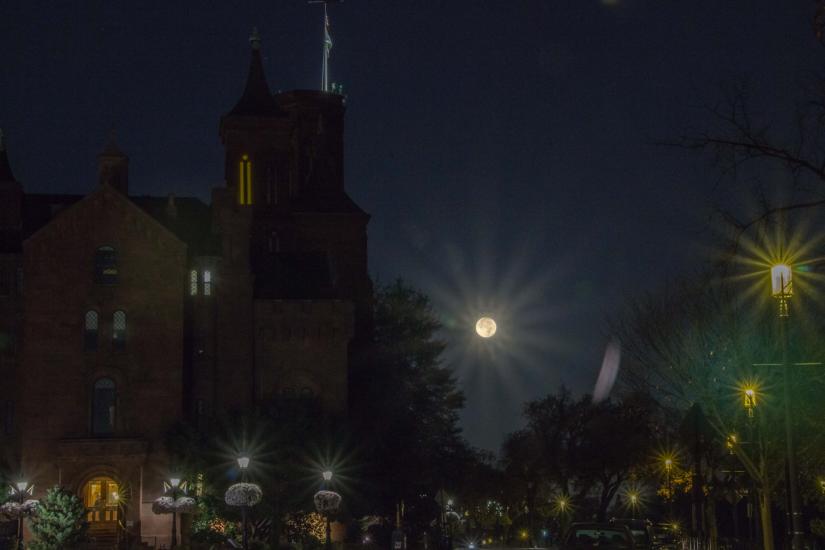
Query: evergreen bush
[(60, 521)]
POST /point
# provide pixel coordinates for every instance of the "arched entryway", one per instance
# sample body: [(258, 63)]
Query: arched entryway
[(102, 498)]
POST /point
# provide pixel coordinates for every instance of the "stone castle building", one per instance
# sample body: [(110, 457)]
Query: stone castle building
[(121, 314)]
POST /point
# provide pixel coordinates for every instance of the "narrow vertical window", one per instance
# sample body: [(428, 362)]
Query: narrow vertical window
[(103, 407), (245, 181), (193, 282), (106, 265), (119, 330), (207, 283), (90, 331)]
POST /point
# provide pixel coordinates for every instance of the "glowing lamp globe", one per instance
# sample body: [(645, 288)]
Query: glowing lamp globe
[(21, 486), (781, 281), (750, 398), (174, 482), (243, 462), (327, 475), (486, 327)]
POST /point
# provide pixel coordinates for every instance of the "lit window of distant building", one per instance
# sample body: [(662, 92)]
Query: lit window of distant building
[(193, 282)]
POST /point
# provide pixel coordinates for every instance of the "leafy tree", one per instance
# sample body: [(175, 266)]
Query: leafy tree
[(574, 448), (697, 343), (406, 404), (60, 521), (400, 441)]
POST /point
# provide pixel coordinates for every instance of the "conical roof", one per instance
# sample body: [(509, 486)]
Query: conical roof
[(5, 167), (256, 100)]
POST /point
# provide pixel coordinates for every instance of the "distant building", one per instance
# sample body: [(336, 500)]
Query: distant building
[(120, 315)]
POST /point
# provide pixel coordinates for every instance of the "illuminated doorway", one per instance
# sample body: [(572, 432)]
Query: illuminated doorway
[(102, 499)]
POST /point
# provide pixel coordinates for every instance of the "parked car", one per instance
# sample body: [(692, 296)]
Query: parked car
[(640, 529), (603, 536), (666, 537)]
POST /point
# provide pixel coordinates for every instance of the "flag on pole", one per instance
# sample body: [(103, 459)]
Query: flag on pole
[(327, 36)]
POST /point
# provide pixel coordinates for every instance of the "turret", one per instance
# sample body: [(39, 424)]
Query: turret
[(113, 166), (11, 202), (250, 132)]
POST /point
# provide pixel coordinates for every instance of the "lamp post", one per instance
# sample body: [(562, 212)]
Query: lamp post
[(19, 491), (243, 495), (327, 475), (562, 505), (668, 471), (174, 486), (327, 503), (243, 464), (634, 502), (749, 400), (782, 290)]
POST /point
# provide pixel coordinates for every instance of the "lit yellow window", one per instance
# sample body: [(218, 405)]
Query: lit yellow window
[(245, 180), (193, 282)]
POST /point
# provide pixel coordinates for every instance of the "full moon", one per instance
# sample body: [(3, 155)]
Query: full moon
[(485, 327)]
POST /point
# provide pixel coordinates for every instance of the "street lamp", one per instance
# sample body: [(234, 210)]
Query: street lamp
[(243, 464), (19, 491), (749, 395), (669, 485), (327, 502), (730, 443), (174, 487), (782, 286), (243, 495), (782, 290)]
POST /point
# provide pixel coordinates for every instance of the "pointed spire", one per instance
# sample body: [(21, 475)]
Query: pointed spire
[(255, 39), (256, 100), (5, 167)]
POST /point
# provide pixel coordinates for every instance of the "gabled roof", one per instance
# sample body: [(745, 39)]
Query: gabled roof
[(256, 100), (191, 222), (107, 192)]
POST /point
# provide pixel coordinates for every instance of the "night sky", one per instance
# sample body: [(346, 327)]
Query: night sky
[(505, 149)]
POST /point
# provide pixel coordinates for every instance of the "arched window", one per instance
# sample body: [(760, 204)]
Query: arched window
[(106, 266), (119, 330), (207, 283), (245, 181), (90, 331), (193, 282), (104, 400)]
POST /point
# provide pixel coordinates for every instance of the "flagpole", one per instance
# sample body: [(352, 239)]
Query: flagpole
[(325, 62), (327, 43)]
